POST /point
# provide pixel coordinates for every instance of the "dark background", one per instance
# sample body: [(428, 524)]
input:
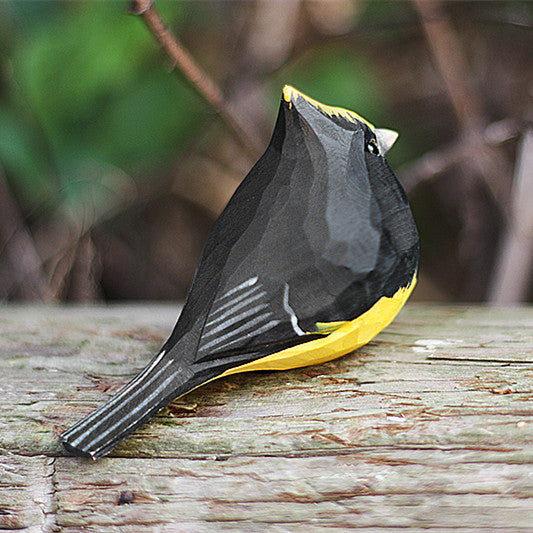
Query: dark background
[(113, 167)]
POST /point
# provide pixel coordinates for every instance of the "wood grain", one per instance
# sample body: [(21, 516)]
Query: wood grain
[(427, 427)]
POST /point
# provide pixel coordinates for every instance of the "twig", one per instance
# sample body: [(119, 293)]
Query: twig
[(446, 50), (17, 246), (514, 264), (83, 284), (431, 164), (196, 77)]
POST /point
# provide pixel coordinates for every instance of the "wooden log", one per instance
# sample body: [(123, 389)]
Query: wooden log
[(427, 427)]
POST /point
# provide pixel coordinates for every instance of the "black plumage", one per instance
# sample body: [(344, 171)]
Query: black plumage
[(315, 236)]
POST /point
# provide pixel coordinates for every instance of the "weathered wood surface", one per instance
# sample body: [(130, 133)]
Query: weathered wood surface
[(427, 427)]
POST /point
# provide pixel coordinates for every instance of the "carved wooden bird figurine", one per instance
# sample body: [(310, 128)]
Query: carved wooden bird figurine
[(315, 253)]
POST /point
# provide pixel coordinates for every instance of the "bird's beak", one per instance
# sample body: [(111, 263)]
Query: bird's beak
[(385, 139)]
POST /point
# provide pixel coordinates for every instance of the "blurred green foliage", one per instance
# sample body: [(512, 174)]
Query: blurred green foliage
[(83, 86), (339, 77)]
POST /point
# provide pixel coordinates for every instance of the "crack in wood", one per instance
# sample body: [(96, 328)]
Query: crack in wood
[(49, 524)]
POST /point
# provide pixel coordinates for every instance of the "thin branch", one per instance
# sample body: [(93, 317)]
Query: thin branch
[(432, 164), (83, 283), (446, 49), (197, 78), (514, 265)]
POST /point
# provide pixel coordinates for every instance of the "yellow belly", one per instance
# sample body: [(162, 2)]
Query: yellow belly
[(345, 337)]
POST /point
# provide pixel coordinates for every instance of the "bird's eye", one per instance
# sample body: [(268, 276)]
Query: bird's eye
[(372, 147)]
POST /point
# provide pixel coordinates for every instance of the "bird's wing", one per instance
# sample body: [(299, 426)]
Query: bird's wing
[(250, 320)]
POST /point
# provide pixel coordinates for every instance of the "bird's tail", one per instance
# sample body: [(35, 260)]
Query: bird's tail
[(154, 387)]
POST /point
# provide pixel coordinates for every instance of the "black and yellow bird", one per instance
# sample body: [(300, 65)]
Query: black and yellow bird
[(315, 254)]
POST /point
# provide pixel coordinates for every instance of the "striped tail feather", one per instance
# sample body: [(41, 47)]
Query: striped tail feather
[(152, 389)]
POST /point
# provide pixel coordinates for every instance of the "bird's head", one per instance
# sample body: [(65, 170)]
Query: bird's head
[(378, 140)]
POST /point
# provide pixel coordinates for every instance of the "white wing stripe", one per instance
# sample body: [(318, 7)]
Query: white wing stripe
[(236, 300), (245, 327), (247, 283), (292, 314), (234, 309), (262, 329), (233, 320)]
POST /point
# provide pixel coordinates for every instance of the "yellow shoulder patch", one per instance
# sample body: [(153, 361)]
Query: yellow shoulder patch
[(325, 328)]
